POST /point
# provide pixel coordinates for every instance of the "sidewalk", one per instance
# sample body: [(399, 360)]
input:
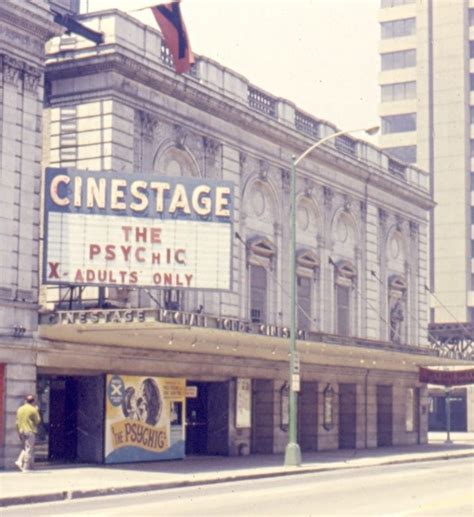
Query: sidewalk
[(54, 483)]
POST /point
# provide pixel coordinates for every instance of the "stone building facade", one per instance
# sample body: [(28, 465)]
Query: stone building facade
[(24, 29), (361, 261)]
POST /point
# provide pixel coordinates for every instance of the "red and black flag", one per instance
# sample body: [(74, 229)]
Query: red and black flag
[(170, 21)]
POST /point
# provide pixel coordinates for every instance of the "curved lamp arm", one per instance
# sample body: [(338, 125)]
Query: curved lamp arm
[(369, 131)]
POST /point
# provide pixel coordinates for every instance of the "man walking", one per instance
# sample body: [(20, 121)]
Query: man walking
[(27, 421)]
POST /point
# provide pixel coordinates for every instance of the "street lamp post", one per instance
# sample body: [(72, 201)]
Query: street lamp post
[(447, 402), (292, 451)]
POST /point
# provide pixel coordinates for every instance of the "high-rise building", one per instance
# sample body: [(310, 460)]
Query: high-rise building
[(426, 109)]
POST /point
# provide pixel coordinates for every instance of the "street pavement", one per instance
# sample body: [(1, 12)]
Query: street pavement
[(403, 490), (56, 483)]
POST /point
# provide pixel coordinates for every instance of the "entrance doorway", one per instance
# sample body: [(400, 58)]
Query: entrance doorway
[(347, 416), (262, 416), (72, 410), (384, 416), (207, 418), (308, 416)]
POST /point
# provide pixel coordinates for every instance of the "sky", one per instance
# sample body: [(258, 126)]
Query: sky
[(319, 54)]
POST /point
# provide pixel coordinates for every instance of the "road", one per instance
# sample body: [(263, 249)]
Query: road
[(418, 489)]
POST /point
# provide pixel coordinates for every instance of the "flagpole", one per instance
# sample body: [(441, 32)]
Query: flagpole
[(154, 4)]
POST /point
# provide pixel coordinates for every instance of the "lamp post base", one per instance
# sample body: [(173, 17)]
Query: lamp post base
[(292, 455)]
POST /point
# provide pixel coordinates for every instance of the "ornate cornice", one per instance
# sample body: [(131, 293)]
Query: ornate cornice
[(31, 28), (162, 81)]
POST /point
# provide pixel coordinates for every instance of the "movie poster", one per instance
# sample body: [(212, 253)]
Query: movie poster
[(144, 418)]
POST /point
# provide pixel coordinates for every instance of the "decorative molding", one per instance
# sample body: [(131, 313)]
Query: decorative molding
[(308, 188), (285, 180), (12, 70), (328, 196), (34, 28), (32, 76), (242, 160), (399, 222), (129, 88), (263, 168), (180, 134), (148, 123), (414, 229), (211, 148), (347, 203), (383, 216)]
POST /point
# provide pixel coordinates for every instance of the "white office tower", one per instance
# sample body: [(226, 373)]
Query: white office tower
[(426, 108)]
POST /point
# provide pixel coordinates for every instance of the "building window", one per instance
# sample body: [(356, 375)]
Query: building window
[(395, 3), (401, 59), (343, 312), (472, 248), (470, 314), (307, 265), (472, 148), (471, 109), (304, 303), (471, 49), (399, 123), (472, 180), (406, 153), (398, 28), (258, 294), (472, 214), (260, 255), (471, 81), (471, 16), (344, 281), (398, 91)]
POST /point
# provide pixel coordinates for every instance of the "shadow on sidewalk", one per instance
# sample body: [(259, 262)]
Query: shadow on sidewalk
[(220, 464)]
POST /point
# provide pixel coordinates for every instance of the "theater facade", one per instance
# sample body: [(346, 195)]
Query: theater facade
[(129, 370)]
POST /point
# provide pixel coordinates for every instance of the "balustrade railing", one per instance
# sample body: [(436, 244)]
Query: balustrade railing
[(307, 125), (346, 145), (262, 102)]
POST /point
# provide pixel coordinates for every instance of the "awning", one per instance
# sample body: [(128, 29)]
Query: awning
[(173, 331), (447, 377)]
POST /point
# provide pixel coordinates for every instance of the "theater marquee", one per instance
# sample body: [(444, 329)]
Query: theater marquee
[(108, 229)]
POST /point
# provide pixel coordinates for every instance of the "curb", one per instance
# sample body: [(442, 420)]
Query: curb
[(149, 487)]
